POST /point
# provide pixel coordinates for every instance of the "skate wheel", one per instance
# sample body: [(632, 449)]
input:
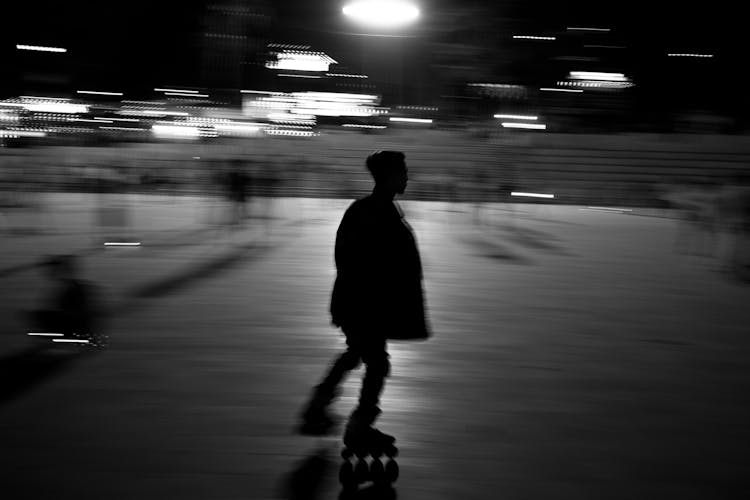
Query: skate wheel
[(361, 453), (377, 471), (346, 453), (361, 471), (346, 474), (391, 471)]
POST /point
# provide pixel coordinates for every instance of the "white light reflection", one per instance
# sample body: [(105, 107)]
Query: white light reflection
[(382, 14), (535, 126), (531, 195), (410, 120), (40, 48), (517, 117)]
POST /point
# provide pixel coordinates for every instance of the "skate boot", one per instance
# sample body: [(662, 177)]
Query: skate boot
[(316, 419), (369, 456)]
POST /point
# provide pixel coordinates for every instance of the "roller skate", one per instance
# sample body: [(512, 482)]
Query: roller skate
[(369, 457)]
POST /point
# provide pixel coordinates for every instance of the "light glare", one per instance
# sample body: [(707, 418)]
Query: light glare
[(382, 14)]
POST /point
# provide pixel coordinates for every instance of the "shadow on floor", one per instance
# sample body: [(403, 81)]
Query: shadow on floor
[(494, 250), (311, 478), (200, 271), (535, 239), (23, 371)]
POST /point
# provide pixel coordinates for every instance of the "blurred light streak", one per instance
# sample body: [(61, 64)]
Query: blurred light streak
[(236, 129), (71, 341), (131, 129), (534, 37), (608, 209), (183, 94), (40, 48), (95, 120), (535, 126), (122, 244), (13, 133), (517, 117), (109, 120), (97, 92), (410, 120), (176, 90), (56, 107), (299, 76), (689, 55), (45, 98), (598, 76), (531, 195), (293, 133), (301, 61), (575, 28), (42, 334), (381, 14), (357, 125), (346, 75), (551, 89), (175, 131)]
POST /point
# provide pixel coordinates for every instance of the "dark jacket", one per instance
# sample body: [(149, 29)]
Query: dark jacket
[(378, 285)]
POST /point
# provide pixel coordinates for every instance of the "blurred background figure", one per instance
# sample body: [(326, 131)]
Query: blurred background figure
[(69, 307), (733, 207)]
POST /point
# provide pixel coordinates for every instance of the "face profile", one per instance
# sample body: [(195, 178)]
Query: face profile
[(388, 168)]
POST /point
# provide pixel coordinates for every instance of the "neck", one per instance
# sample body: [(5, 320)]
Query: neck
[(383, 193)]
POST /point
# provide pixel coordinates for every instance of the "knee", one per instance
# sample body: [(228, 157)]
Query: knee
[(379, 365), (350, 360)]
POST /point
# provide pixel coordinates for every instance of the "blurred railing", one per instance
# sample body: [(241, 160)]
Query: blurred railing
[(631, 170)]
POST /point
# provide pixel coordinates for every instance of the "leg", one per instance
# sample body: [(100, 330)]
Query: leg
[(378, 368), (315, 418)]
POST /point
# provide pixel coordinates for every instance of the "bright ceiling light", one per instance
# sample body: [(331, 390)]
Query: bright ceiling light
[(383, 13)]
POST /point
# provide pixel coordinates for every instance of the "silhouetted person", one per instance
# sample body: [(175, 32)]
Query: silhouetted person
[(69, 308), (237, 185), (377, 296)]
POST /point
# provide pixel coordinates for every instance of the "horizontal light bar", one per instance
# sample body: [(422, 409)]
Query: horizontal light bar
[(689, 55), (575, 28), (551, 89), (185, 94), (177, 90), (598, 75), (531, 195), (517, 117), (92, 121), (96, 92), (410, 120), (130, 129), (533, 37), (109, 120), (45, 98), (122, 243), (299, 76), (610, 209), (71, 341), (346, 75), (21, 133), (44, 334), (535, 126), (39, 48), (356, 125)]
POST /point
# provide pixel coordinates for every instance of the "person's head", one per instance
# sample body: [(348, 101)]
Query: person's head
[(388, 168)]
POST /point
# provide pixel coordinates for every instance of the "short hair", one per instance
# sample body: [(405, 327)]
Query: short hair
[(383, 163)]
